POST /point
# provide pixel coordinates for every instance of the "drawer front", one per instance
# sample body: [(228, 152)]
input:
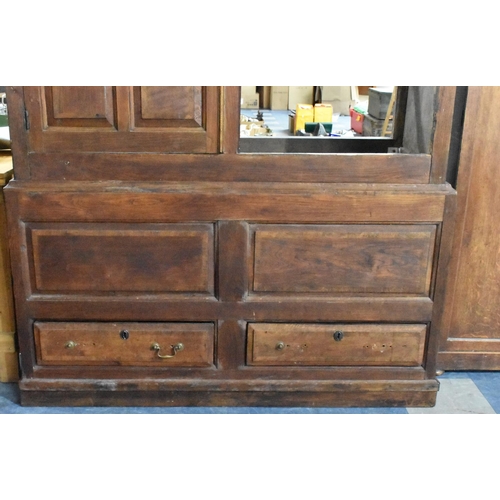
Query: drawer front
[(89, 258), (335, 344), (355, 259), (135, 344)]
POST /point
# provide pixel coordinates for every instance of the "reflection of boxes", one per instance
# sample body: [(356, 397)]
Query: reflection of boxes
[(4, 120), (279, 98), (249, 98), (303, 113), (323, 112), (372, 127), (378, 102), (311, 127), (357, 121), (339, 97), (364, 90), (300, 95)]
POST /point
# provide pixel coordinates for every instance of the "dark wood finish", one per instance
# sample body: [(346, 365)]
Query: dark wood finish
[(123, 119), (400, 116), (106, 344), (442, 134), (387, 168), (233, 243), (121, 258), (262, 202), (147, 217), (470, 336), (17, 130), (168, 106), (316, 345), (422, 109), (344, 394), (263, 307), (92, 107), (359, 259), (441, 290), (230, 126)]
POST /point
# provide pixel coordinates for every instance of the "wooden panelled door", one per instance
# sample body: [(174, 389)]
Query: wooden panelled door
[(123, 119), (471, 337)]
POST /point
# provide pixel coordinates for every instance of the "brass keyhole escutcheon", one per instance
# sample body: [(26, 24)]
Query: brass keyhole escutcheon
[(338, 336), (124, 334), (175, 348)]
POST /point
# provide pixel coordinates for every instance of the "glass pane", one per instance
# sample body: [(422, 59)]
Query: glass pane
[(279, 116)]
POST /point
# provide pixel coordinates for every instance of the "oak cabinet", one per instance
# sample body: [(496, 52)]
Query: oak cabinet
[(156, 264)]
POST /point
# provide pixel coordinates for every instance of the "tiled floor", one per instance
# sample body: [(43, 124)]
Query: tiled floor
[(459, 393)]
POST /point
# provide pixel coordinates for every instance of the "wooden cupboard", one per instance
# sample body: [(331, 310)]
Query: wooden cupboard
[(154, 263), (470, 338)]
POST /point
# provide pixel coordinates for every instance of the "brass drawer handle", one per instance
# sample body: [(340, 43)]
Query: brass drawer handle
[(176, 348), (70, 344), (280, 346)]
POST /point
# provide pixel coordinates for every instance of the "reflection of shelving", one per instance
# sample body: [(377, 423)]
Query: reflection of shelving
[(389, 118)]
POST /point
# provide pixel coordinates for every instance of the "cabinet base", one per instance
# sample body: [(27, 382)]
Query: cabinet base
[(421, 393)]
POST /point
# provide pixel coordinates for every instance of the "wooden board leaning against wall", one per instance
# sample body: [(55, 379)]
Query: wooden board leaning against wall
[(9, 370), (470, 337)]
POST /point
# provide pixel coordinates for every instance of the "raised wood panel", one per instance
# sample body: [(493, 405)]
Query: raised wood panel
[(122, 258), (355, 259), (473, 345), (168, 106), (124, 344), (80, 106), (123, 119), (315, 345)]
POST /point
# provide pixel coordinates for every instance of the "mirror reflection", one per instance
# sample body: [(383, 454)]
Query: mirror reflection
[(309, 111)]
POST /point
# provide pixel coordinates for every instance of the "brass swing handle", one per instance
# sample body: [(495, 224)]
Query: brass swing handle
[(176, 348)]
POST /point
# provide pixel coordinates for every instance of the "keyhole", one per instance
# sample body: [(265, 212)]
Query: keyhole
[(124, 334), (338, 335)]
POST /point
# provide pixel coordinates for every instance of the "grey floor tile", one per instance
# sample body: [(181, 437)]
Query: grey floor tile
[(447, 375), (9, 392), (489, 385), (459, 395)]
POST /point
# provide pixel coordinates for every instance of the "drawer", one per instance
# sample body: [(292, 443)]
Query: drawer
[(175, 344), (335, 344), (345, 259)]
